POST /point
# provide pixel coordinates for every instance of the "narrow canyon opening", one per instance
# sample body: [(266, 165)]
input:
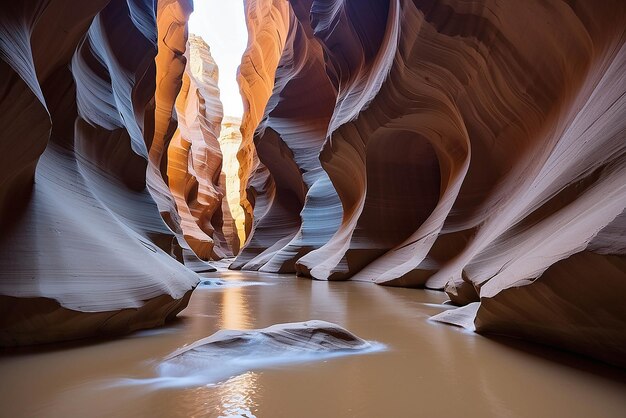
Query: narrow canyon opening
[(218, 34)]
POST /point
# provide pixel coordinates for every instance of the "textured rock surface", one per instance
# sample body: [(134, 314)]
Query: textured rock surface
[(195, 158), (234, 219), (171, 63), (288, 142), (228, 352), (477, 147), (83, 249), (268, 23), (473, 147), (172, 16)]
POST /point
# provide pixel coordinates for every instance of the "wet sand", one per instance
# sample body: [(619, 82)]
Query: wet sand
[(428, 369)]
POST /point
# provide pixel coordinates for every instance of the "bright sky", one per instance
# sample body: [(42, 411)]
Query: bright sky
[(222, 25)]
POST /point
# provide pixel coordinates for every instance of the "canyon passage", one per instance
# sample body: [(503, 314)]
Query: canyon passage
[(350, 208)]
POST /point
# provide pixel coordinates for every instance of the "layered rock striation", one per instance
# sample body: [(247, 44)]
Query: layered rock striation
[(287, 142), (477, 148), (473, 147), (194, 156), (84, 250), (268, 24), (234, 220)]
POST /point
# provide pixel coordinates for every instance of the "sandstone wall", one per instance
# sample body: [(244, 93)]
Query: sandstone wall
[(195, 158), (268, 23), (288, 142), (477, 147), (234, 221), (84, 250)]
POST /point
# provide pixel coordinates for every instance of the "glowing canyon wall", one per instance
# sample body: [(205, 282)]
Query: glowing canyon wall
[(230, 142), (473, 147), (268, 23), (194, 155), (84, 249)]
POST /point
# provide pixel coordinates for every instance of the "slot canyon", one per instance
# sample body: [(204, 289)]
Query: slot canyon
[(375, 208)]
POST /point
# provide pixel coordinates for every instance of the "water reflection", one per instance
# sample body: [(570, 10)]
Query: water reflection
[(235, 310), (430, 370), (238, 395), (235, 397)]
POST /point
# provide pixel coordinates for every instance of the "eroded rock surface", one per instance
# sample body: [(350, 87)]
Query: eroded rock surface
[(234, 218), (83, 249), (268, 24), (194, 155), (473, 147), (227, 353), (288, 142), (477, 147)]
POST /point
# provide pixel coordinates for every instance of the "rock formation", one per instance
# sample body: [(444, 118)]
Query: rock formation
[(234, 219), (268, 23), (195, 158), (172, 16), (229, 352), (83, 249), (473, 147), (284, 228)]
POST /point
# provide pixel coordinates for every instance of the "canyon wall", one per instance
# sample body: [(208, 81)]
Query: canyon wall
[(194, 156), (230, 141), (268, 23), (287, 143), (477, 148), (84, 249)]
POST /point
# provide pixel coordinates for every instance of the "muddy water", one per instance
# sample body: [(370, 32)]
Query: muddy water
[(428, 369)]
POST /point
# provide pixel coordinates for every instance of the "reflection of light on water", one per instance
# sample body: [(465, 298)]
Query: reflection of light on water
[(237, 396), (235, 312)]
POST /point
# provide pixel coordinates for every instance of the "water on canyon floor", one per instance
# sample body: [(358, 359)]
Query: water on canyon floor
[(427, 370)]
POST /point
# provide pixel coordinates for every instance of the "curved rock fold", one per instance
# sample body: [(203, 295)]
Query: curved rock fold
[(84, 250), (473, 147)]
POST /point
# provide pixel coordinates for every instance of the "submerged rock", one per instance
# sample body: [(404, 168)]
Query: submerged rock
[(227, 353)]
